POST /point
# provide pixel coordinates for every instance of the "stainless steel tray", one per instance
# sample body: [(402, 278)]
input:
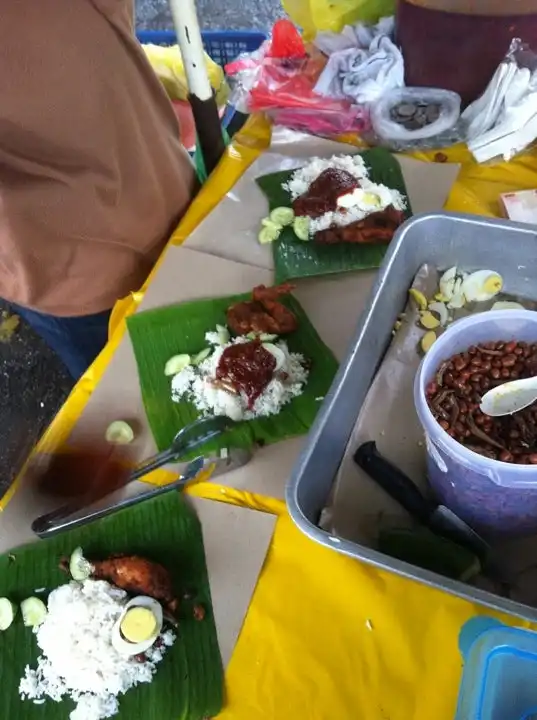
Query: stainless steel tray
[(442, 239)]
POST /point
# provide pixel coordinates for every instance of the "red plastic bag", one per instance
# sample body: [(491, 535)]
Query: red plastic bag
[(326, 123), (286, 41), (289, 83), (281, 75)]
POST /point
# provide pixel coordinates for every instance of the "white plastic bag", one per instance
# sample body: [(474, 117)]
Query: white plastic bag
[(503, 121)]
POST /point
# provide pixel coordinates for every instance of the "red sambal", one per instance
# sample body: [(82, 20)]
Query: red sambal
[(248, 368), (323, 193)]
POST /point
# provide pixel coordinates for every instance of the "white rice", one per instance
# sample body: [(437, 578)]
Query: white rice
[(78, 660), (195, 384), (301, 180), (345, 217)]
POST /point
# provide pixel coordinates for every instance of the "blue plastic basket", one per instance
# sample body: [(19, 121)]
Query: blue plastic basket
[(222, 46)]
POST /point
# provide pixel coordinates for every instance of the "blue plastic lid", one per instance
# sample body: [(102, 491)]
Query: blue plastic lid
[(499, 680)]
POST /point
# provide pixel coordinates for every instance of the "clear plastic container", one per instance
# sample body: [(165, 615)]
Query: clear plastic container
[(500, 667), (493, 497)]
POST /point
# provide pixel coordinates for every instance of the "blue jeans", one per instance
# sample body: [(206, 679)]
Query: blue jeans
[(77, 340)]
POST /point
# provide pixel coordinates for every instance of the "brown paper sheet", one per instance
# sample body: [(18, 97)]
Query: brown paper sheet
[(230, 230), (236, 542)]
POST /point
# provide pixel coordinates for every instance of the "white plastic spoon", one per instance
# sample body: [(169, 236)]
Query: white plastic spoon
[(510, 397)]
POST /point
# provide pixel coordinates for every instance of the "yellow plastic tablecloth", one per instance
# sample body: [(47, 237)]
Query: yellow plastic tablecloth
[(327, 637)]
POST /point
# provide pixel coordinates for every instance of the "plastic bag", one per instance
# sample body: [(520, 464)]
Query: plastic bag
[(416, 118), (503, 121), (276, 74), (289, 83), (167, 63), (315, 15), (326, 123), (281, 75)]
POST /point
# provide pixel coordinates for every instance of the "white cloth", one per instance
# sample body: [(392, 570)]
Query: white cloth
[(353, 36), (363, 75), (503, 121)]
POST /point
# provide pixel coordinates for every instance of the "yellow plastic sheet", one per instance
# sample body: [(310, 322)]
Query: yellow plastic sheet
[(314, 15), (327, 637)]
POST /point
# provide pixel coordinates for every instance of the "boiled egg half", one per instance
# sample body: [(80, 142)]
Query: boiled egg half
[(138, 627), (482, 285), (360, 198)]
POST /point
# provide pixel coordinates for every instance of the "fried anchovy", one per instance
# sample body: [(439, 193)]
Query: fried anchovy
[(455, 410), (436, 404), (525, 430), (441, 397), (478, 433), (440, 373)]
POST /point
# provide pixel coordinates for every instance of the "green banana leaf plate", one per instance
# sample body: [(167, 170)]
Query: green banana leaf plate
[(294, 258), (188, 683), (157, 335)]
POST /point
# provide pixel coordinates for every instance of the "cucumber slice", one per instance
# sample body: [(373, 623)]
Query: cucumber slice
[(7, 613), (223, 334), (79, 567), (119, 433), (201, 356), (282, 216), (268, 234), (263, 337), (301, 228), (267, 222), (34, 611), (175, 364), (419, 546)]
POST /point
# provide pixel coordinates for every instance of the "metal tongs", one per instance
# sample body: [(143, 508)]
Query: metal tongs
[(89, 508)]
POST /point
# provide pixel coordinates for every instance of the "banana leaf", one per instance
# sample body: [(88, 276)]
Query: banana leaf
[(158, 335), (294, 258), (188, 683)]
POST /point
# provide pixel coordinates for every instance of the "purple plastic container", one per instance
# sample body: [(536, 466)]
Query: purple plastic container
[(493, 497)]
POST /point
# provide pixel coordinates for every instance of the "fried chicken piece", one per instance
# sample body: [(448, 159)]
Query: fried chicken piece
[(377, 228), (264, 294), (263, 314), (137, 576), (245, 317)]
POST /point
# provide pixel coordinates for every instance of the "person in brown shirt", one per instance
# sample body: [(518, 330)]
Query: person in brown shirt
[(93, 176)]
